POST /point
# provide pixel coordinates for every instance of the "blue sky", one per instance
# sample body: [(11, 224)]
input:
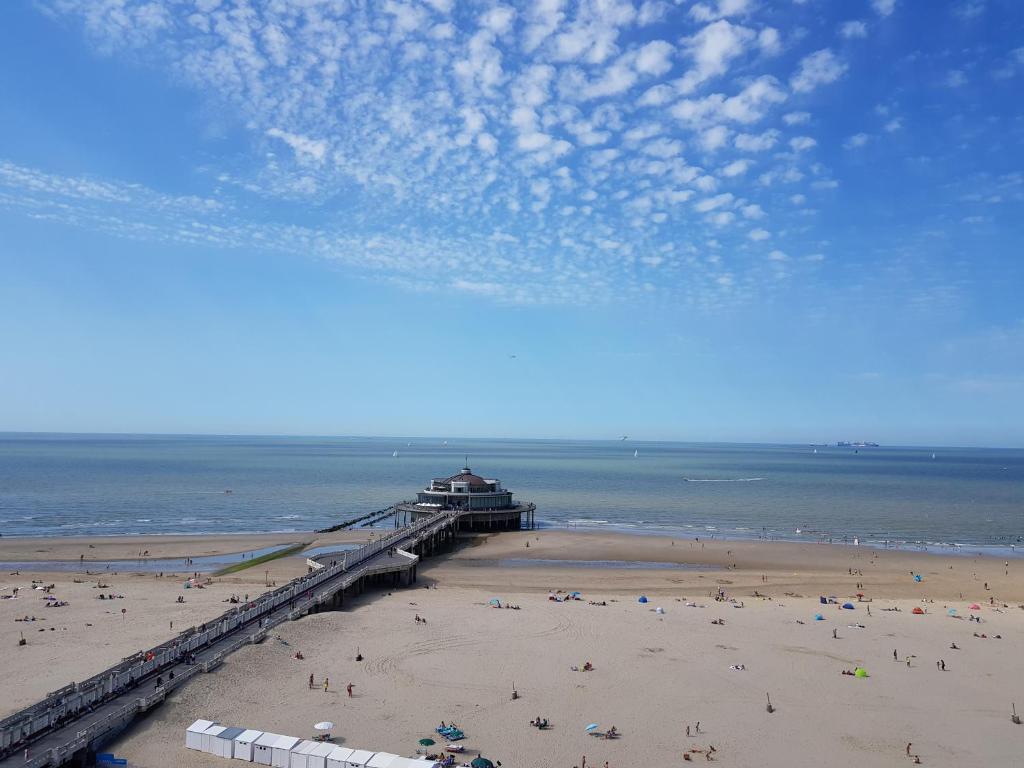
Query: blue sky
[(724, 220)]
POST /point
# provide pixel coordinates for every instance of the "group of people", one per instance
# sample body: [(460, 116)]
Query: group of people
[(539, 723)]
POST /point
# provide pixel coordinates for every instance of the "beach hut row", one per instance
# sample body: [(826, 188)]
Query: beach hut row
[(279, 751)]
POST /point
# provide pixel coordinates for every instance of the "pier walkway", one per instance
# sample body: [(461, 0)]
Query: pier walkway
[(68, 725)]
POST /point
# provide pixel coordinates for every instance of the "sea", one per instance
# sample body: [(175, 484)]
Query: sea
[(964, 500)]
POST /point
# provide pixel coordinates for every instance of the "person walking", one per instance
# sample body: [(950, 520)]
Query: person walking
[(327, 683), (349, 688), (310, 681)]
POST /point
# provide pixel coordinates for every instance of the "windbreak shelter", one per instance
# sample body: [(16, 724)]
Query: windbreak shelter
[(243, 744), (209, 735), (282, 753), (358, 759), (382, 760), (194, 733), (224, 742), (263, 748), (337, 757)]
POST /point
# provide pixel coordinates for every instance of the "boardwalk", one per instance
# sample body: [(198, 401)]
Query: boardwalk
[(68, 724)]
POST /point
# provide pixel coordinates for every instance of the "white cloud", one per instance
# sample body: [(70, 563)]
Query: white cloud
[(893, 125), (712, 49), (856, 141), (655, 58), (769, 42), (796, 118), (777, 255), (714, 138), (884, 7), (955, 78), (802, 143), (304, 148), (819, 68), (798, 199), (758, 234), (711, 203), (706, 12), (752, 211), (749, 142), (736, 168), (853, 29)]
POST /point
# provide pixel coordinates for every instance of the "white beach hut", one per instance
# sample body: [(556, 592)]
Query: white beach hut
[(263, 748), (311, 754), (337, 757), (223, 744), (283, 751), (382, 760), (194, 733), (243, 744), (209, 735), (358, 759)]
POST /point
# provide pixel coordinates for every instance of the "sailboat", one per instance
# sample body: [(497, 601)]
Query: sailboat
[(815, 450), (395, 455), (636, 453), (933, 455)]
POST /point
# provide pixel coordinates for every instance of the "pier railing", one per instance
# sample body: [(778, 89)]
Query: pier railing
[(76, 699)]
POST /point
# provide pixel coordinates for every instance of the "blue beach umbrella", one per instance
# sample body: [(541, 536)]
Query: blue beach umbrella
[(643, 599), (818, 617), (591, 727), (848, 606)]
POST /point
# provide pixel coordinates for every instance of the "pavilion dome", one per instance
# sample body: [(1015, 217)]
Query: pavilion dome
[(467, 476)]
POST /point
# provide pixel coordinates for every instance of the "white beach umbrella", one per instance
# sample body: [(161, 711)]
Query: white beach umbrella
[(324, 726)]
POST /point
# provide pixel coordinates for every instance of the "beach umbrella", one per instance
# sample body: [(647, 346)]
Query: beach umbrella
[(860, 672), (642, 599), (324, 726), (917, 577), (951, 611), (494, 601), (818, 617), (575, 594), (918, 611), (975, 607), (427, 742), (590, 727), (860, 594), (481, 762), (848, 606)]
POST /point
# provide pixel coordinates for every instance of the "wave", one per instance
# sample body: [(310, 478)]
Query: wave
[(721, 480)]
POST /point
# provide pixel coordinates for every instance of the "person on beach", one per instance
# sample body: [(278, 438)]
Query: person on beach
[(908, 748), (310, 681), (349, 688), (326, 684)]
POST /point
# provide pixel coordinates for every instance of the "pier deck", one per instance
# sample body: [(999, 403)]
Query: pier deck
[(69, 725)]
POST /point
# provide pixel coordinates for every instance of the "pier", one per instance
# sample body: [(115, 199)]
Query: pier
[(69, 725)]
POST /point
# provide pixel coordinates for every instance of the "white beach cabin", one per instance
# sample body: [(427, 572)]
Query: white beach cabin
[(224, 742), (337, 757), (194, 733), (283, 751), (209, 735), (243, 745), (358, 759), (413, 762), (311, 754), (382, 760), (263, 748)]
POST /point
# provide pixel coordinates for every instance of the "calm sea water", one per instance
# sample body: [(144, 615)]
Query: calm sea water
[(76, 485)]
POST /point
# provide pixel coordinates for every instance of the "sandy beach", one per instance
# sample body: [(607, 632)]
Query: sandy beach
[(654, 673)]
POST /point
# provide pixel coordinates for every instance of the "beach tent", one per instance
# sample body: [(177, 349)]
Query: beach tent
[(382, 760), (659, 609), (282, 751), (917, 577), (974, 607), (848, 606), (194, 733), (263, 748), (824, 600), (311, 754), (223, 743), (860, 672), (243, 744), (358, 759), (495, 602), (917, 611), (643, 599), (336, 757), (951, 611), (818, 617)]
